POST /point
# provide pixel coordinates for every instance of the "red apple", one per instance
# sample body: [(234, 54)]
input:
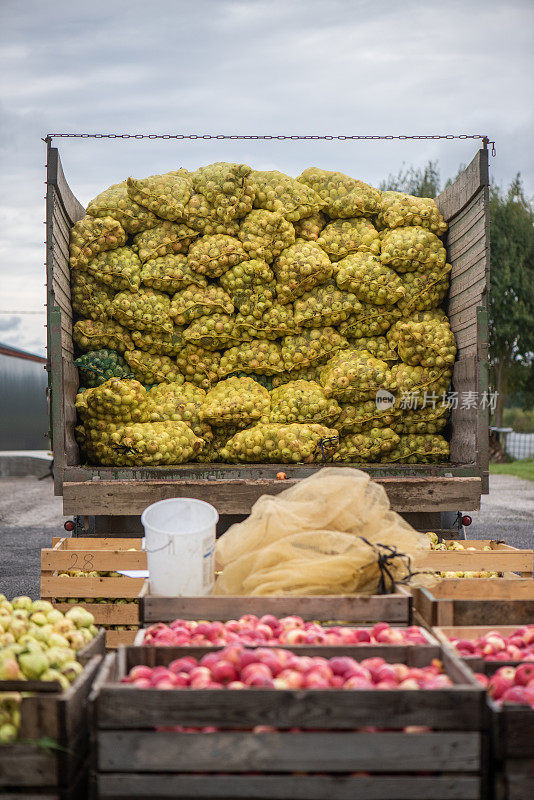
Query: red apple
[(356, 682), (514, 694), (140, 671), (524, 674), (185, 664), (291, 678), (223, 672)]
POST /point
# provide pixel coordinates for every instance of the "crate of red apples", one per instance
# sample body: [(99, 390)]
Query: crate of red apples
[(503, 660), (302, 636), (266, 722)]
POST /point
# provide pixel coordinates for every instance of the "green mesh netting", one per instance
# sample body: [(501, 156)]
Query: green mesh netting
[(115, 202), (164, 195), (159, 344), (325, 305), (303, 401), (378, 346), (411, 248), (202, 217), (90, 298), (215, 332), (90, 236), (397, 209), (393, 334), (310, 227), (274, 191), (118, 400), (120, 269), (259, 355), (236, 401), (365, 276), (415, 381), (179, 403), (170, 274), (226, 187), (373, 445), (344, 196), (424, 290), (197, 301), (346, 236), (98, 366), (96, 335), (299, 268), (311, 346), (150, 369), (264, 318), (419, 449), (213, 255), (370, 321), (146, 310), (166, 239), (355, 375), (282, 444), (246, 276), (264, 234)]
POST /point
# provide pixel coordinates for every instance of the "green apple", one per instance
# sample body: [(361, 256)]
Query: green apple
[(57, 656), (76, 639), (42, 633), (42, 606), (33, 663), (22, 602), (29, 642), (9, 669), (64, 626), (57, 640), (20, 613), (38, 618), (71, 670), (8, 733), (55, 675), (6, 639), (53, 616), (80, 617)]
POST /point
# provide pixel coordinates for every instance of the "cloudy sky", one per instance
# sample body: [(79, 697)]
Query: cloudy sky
[(245, 66)]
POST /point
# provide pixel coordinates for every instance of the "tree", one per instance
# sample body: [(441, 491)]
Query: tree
[(420, 182), (511, 300)]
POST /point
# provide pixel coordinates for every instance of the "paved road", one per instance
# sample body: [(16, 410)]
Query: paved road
[(30, 516)]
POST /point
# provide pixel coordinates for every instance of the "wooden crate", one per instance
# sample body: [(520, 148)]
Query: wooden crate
[(233, 489), (50, 757), (394, 608), (134, 760), (489, 601), (97, 554), (501, 558), (513, 750), (476, 663)]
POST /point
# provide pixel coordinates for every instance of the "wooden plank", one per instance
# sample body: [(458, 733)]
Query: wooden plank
[(27, 765), (465, 220), (384, 608), (473, 561), (484, 589), (99, 543), (115, 639), (519, 787), (126, 786), (87, 559), (123, 587), (56, 178), (124, 707), (472, 296), (287, 752), (108, 613), (238, 497), (455, 197)]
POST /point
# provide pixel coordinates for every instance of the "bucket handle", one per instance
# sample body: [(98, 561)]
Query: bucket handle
[(158, 549)]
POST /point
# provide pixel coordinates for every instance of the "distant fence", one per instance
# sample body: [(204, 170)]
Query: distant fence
[(520, 445)]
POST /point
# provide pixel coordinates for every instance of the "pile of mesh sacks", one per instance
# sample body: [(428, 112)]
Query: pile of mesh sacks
[(238, 315)]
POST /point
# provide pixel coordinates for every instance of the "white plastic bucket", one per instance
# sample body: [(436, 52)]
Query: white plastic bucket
[(180, 546)]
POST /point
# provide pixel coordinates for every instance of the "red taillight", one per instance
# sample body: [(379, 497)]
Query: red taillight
[(68, 525), (466, 519)]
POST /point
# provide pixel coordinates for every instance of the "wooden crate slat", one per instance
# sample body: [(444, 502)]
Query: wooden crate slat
[(480, 610), (123, 587), (26, 765), (287, 752), (380, 608), (108, 613), (124, 707), (271, 787), (88, 560), (468, 560), (115, 639)]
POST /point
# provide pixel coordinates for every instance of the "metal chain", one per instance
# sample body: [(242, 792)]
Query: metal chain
[(277, 137)]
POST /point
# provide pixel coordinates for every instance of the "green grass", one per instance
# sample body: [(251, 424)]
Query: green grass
[(521, 469)]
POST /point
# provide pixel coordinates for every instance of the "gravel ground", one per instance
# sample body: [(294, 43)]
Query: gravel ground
[(30, 516)]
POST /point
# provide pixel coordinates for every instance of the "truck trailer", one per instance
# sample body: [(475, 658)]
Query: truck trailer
[(108, 500)]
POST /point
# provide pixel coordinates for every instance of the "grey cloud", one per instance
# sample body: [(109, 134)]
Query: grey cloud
[(250, 66), (10, 324)]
